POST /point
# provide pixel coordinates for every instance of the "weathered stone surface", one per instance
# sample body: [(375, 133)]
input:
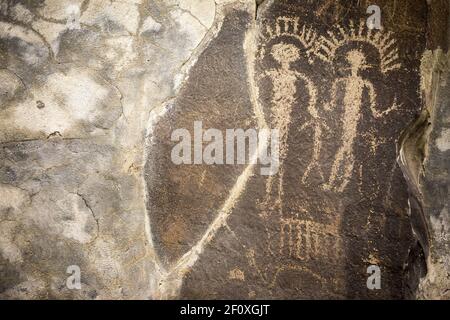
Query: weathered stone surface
[(92, 91), (78, 82), (183, 200), (433, 182), (339, 202), (424, 160)]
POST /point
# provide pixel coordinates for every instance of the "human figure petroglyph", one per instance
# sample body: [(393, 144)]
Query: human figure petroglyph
[(285, 83), (291, 89), (354, 87)]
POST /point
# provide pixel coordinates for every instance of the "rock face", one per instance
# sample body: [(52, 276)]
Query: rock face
[(429, 186), (424, 160), (81, 78), (95, 96), (338, 203)]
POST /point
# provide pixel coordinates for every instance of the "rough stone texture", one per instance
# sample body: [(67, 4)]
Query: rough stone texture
[(320, 233), (91, 91), (434, 180), (79, 80), (182, 202), (424, 158)]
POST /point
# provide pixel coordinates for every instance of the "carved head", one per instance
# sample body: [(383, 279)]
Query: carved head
[(357, 60), (285, 53)]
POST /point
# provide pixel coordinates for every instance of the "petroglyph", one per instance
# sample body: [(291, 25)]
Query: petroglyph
[(382, 41), (302, 242), (293, 235), (306, 240), (270, 277), (100, 191), (286, 83), (289, 27), (298, 236), (354, 87), (293, 92)]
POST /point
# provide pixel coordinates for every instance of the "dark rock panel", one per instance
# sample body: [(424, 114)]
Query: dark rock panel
[(340, 96), (184, 199)]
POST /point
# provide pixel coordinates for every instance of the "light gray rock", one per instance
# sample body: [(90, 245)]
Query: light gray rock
[(79, 81)]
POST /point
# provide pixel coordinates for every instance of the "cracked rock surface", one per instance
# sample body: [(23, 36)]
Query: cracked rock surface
[(92, 90)]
